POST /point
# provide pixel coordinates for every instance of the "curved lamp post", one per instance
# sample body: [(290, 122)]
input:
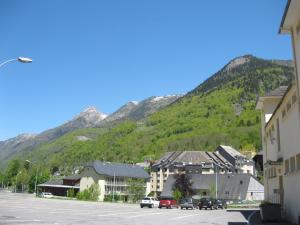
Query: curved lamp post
[(19, 59)]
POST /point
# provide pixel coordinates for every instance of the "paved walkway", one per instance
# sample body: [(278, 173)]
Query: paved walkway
[(255, 219)]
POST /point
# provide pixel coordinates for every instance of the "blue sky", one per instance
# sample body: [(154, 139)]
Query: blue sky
[(106, 53)]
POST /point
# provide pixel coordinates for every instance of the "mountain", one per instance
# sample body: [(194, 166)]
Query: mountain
[(11, 146), (89, 118), (221, 110), (138, 110)]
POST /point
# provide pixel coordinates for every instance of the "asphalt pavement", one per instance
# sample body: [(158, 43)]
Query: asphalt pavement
[(26, 209)]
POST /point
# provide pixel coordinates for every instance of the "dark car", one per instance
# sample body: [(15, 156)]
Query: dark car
[(188, 203), (207, 203), (168, 203), (222, 204)]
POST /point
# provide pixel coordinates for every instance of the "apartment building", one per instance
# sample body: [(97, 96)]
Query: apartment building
[(113, 178), (280, 117), (198, 162)]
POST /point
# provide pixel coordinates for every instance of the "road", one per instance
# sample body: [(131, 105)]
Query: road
[(27, 210)]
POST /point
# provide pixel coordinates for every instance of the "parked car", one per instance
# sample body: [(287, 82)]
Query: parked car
[(188, 203), (168, 203), (207, 203), (46, 195), (149, 202), (222, 204)]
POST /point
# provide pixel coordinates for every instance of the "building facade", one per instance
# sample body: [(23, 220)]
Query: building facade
[(281, 129), (113, 178), (233, 187), (198, 162)]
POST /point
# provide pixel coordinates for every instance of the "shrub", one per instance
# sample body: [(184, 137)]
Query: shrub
[(71, 193), (90, 194)]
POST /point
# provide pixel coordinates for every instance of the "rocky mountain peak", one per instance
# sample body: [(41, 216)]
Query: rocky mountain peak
[(238, 62), (91, 113)]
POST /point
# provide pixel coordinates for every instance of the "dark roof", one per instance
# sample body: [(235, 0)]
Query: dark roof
[(58, 183), (54, 182), (279, 104), (119, 169), (284, 15), (183, 157), (72, 177), (235, 184), (231, 151), (280, 91)]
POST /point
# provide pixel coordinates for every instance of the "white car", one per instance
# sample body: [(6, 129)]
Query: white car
[(150, 202), (46, 195)]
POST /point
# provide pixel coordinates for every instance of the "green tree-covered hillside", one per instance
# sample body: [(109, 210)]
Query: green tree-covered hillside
[(219, 111)]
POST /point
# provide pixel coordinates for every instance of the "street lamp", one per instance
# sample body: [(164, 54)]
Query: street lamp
[(19, 59), (35, 184)]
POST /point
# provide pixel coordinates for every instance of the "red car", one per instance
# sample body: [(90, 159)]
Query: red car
[(167, 202)]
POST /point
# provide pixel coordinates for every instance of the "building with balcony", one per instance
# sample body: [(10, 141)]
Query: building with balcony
[(113, 178), (224, 160)]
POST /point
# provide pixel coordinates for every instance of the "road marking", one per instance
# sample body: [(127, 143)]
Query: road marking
[(182, 217), (148, 214), (116, 214)]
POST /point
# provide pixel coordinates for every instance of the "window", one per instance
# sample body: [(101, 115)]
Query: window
[(288, 106), (287, 166), (293, 164), (294, 98), (283, 113), (298, 161)]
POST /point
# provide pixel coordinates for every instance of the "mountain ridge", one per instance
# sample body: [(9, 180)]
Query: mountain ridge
[(221, 110)]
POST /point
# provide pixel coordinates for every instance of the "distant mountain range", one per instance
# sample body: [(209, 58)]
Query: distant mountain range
[(221, 110), (89, 118)]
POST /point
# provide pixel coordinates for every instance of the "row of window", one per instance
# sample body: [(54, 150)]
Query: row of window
[(292, 164), (270, 133), (288, 105), (271, 172)]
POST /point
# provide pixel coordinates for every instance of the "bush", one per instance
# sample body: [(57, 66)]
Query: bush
[(90, 194), (111, 198), (71, 193)]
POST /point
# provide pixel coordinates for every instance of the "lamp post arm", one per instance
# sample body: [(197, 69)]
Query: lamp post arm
[(7, 61)]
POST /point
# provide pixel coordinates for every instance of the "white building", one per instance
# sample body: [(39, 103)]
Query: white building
[(281, 129), (113, 178)]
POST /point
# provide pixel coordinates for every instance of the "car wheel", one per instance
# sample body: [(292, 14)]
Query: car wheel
[(200, 208), (205, 208), (142, 206), (181, 207)]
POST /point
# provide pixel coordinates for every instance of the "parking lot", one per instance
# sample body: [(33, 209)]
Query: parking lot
[(26, 209)]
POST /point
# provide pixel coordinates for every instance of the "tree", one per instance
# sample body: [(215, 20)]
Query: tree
[(37, 176), (13, 168), (136, 189), (177, 195), (183, 184), (212, 190)]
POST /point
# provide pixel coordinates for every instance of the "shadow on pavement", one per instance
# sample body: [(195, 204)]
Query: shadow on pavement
[(245, 212)]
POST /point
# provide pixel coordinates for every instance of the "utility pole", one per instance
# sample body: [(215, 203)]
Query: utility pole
[(114, 183), (216, 181)]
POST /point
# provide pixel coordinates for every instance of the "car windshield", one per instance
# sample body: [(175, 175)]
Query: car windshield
[(187, 200)]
